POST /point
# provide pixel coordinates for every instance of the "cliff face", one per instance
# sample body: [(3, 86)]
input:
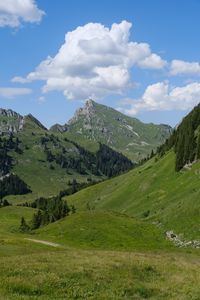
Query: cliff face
[(10, 121)]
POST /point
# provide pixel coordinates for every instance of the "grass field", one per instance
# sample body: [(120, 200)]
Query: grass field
[(101, 256), (75, 274)]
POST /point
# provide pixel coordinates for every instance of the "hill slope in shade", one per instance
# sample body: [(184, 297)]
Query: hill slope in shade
[(100, 123)]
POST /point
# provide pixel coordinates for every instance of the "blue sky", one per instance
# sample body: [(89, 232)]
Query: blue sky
[(156, 82)]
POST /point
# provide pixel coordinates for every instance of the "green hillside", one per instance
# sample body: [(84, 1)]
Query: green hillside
[(104, 230), (154, 192)]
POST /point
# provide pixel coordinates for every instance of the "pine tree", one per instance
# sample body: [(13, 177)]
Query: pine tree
[(23, 225), (37, 220)]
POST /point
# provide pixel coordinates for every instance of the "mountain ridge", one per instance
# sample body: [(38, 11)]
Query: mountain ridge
[(13, 122), (94, 123)]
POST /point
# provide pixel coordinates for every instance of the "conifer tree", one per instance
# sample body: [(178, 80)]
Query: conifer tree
[(23, 225)]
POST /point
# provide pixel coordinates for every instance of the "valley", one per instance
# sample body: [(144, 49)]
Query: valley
[(113, 227)]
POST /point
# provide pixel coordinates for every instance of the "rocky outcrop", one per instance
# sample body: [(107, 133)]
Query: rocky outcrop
[(59, 128), (180, 242), (10, 121), (87, 111)]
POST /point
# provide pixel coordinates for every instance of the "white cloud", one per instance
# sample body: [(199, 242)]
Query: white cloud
[(14, 12), (9, 92), (94, 61), (180, 67), (153, 61), (161, 97)]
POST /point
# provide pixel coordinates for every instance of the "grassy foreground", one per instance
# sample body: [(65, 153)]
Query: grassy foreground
[(101, 256), (75, 274)]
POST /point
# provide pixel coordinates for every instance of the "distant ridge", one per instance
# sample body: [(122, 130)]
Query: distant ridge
[(13, 122)]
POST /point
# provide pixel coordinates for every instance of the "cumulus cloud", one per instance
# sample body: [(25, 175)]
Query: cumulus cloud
[(162, 97), (94, 61), (13, 12), (180, 67), (9, 92)]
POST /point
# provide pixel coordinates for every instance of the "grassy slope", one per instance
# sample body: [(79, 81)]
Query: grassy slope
[(172, 198), (87, 230), (104, 231), (12, 243)]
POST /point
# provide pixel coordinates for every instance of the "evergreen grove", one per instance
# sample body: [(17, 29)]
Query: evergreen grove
[(48, 211), (185, 140)]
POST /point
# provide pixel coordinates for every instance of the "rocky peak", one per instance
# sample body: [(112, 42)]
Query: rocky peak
[(87, 111), (10, 113)]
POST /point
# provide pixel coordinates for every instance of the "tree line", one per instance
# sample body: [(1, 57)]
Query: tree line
[(105, 161), (8, 143), (13, 185), (185, 140)]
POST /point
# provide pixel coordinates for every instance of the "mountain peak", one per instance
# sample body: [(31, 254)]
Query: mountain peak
[(104, 124), (89, 103), (87, 111)]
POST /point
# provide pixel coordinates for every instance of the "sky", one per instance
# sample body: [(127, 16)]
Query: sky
[(139, 57)]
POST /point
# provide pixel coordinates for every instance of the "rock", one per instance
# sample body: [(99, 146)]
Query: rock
[(176, 239)]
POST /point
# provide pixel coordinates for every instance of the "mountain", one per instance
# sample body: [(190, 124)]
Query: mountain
[(99, 123)]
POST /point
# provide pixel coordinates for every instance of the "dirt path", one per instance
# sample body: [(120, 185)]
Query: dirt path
[(44, 242)]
